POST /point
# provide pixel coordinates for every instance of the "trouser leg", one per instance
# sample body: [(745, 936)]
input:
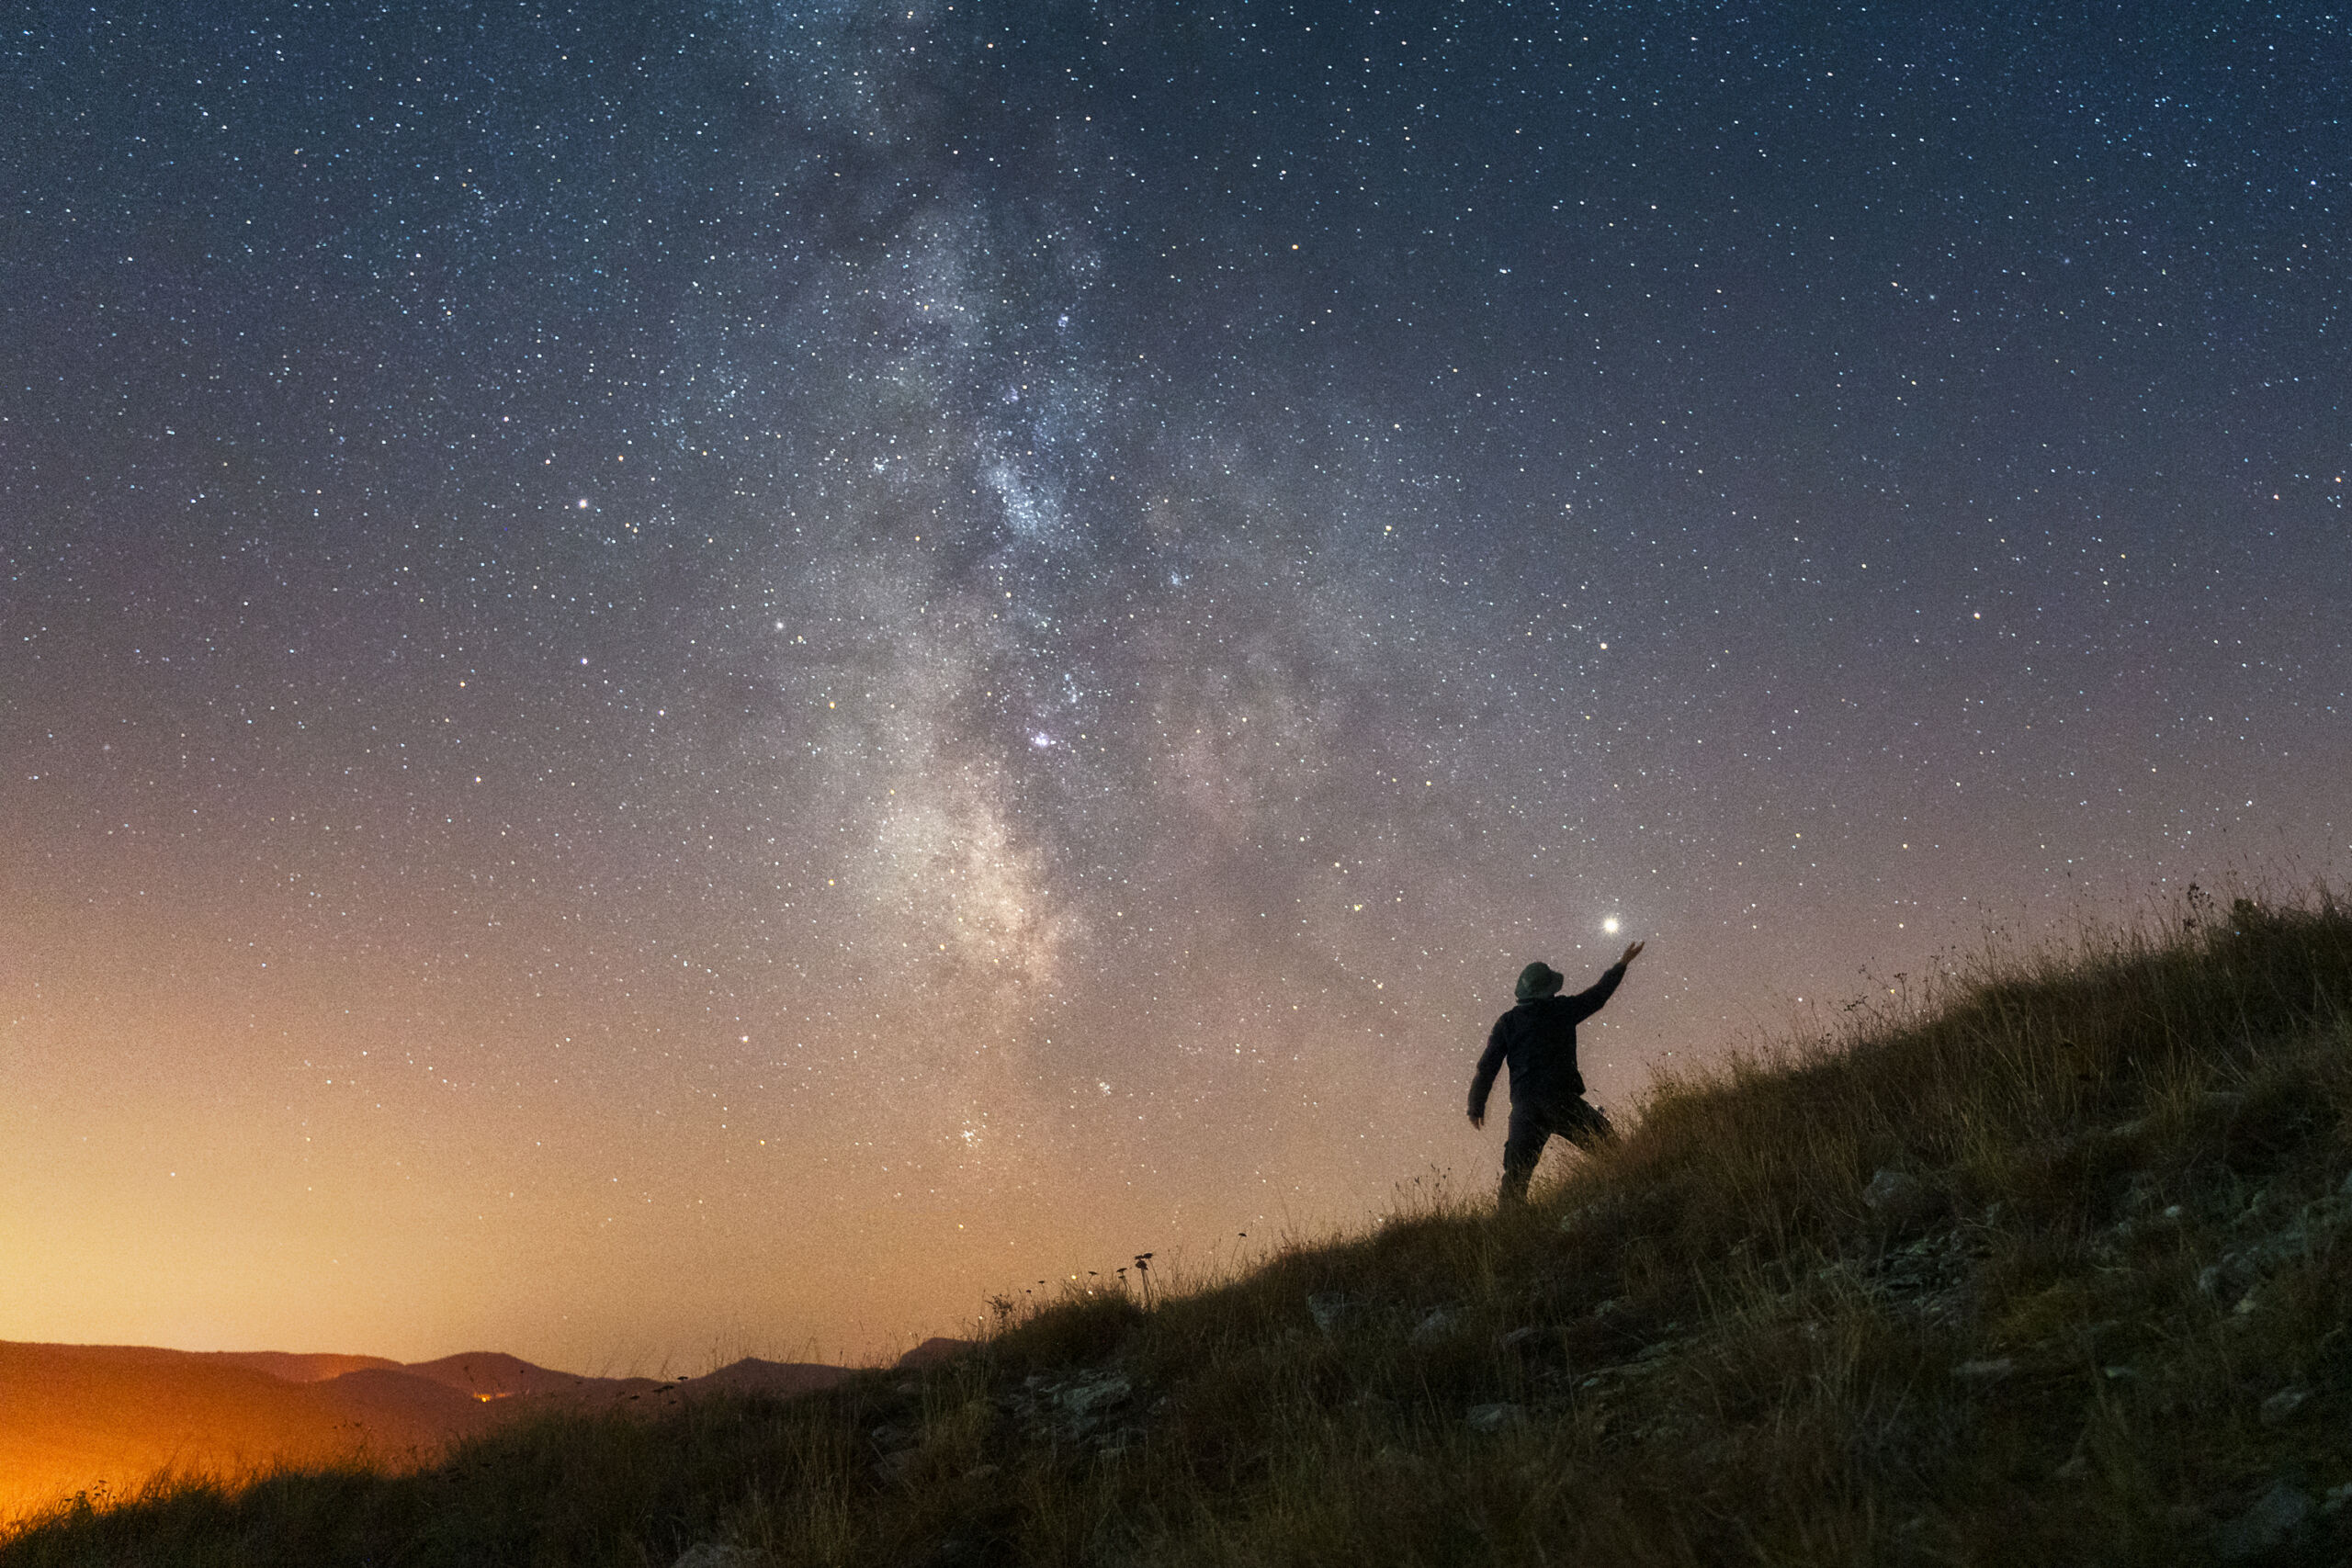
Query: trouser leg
[(1529, 1129), (1579, 1121), (1582, 1122)]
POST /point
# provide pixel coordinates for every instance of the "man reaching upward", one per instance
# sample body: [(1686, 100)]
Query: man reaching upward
[(1538, 1038)]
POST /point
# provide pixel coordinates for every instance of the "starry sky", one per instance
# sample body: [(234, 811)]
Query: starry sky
[(687, 680)]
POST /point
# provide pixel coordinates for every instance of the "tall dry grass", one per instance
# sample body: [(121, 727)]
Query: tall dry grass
[(2048, 1264)]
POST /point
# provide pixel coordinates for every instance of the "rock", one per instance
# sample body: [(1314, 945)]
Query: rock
[(2318, 1221), (722, 1554), (893, 1468), (1071, 1406), (1520, 1340), (2227, 1103), (1992, 1370), (2310, 1231), (1890, 1189), (1330, 1310), (889, 1440), (1599, 1212), (2272, 1522), (1493, 1418), (1901, 1199), (2337, 1497), (1436, 1326), (1096, 1393), (2283, 1405), (982, 1473)]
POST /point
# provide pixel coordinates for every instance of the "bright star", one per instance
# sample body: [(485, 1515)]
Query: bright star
[(1610, 925)]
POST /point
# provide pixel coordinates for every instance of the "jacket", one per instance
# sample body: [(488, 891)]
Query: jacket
[(1538, 1038)]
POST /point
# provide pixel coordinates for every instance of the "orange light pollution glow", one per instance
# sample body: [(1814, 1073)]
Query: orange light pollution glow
[(771, 679)]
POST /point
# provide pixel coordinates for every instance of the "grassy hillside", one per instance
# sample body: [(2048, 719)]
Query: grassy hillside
[(2051, 1266)]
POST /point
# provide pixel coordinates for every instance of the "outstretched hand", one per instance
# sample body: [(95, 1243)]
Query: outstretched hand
[(1631, 954)]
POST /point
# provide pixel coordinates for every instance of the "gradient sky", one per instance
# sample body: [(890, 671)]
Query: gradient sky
[(680, 681)]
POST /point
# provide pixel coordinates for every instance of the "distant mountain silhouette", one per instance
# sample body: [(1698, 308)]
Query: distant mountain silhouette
[(933, 1352), (296, 1368), (751, 1375), (493, 1374), (81, 1416)]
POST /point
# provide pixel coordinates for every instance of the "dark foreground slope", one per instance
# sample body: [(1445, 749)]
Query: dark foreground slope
[(2053, 1270)]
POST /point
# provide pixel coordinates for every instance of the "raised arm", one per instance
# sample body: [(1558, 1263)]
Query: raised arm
[(1483, 1081), (1590, 1001)]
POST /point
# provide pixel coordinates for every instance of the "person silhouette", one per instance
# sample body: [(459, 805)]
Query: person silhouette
[(1538, 1038)]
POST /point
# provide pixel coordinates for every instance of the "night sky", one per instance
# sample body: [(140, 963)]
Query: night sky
[(683, 681)]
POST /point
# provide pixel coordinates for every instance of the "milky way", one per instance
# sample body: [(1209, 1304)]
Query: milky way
[(718, 683)]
